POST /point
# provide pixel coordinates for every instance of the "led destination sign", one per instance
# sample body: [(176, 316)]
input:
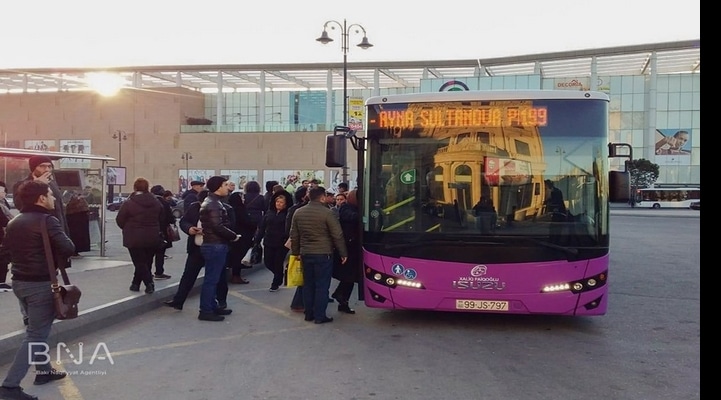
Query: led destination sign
[(444, 117)]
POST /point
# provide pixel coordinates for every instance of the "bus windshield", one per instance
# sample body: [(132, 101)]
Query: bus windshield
[(500, 168)]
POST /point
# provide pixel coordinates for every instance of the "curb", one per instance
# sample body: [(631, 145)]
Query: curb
[(99, 317)]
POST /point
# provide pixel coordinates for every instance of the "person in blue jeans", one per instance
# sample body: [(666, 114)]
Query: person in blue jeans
[(217, 235), (314, 234)]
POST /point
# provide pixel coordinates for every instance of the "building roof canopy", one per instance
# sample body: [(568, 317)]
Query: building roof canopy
[(671, 58)]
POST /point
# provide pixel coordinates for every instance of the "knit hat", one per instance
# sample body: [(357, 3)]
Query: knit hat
[(34, 161), (214, 183), (196, 183)]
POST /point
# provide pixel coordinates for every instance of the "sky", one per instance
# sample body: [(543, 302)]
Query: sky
[(113, 33)]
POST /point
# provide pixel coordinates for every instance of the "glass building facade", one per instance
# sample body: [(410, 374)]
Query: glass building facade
[(644, 110)]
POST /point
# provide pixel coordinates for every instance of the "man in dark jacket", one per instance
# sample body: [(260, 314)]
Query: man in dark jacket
[(41, 169), (139, 218), (217, 235), (31, 281), (245, 227), (194, 262), (166, 219), (315, 232), (557, 208), (190, 196)]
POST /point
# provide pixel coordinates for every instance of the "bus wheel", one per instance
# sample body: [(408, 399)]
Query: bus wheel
[(656, 205)]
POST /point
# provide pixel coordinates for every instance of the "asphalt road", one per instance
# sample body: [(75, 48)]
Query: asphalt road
[(646, 347)]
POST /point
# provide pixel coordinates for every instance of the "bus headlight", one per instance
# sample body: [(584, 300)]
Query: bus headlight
[(581, 285), (391, 281)]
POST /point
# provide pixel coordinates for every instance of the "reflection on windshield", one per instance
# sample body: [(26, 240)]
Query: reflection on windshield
[(539, 181)]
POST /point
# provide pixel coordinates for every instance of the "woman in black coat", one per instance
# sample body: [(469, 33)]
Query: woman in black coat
[(77, 213), (272, 232), (139, 218)]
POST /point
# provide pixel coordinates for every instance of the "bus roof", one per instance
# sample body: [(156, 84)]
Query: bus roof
[(475, 95), (55, 155), (670, 188)]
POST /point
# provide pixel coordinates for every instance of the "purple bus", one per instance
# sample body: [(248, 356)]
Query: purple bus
[(485, 201)]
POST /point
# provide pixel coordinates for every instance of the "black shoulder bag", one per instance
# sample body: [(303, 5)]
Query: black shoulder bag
[(65, 297)]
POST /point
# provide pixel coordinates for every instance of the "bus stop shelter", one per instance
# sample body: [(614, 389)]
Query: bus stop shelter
[(56, 155)]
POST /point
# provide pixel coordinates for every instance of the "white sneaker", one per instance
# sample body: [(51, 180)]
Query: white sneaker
[(4, 287)]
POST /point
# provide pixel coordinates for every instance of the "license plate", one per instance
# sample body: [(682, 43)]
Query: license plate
[(482, 305)]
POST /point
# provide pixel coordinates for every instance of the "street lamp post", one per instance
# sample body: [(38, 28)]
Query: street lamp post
[(345, 36), (561, 151), (120, 135), (186, 156)]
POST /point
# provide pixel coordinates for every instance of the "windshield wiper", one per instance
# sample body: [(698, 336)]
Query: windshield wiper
[(437, 242), (568, 250)]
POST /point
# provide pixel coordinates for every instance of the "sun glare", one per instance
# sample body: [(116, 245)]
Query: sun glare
[(105, 83)]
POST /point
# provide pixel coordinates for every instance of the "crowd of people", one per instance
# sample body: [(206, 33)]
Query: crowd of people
[(221, 223), (231, 223)]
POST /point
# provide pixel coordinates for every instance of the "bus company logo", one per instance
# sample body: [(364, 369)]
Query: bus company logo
[(573, 83), (453, 86), (478, 280), (479, 283), (479, 270)]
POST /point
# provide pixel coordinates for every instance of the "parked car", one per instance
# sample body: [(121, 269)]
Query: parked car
[(116, 203), (696, 205)]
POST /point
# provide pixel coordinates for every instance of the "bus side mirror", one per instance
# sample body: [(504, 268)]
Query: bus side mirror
[(335, 151), (620, 186), (612, 150)]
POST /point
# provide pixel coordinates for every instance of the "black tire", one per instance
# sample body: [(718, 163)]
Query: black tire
[(656, 205)]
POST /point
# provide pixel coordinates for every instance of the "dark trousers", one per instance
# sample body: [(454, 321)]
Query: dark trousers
[(343, 291), (3, 269), (273, 258), (160, 261), (236, 253), (193, 264), (143, 261)]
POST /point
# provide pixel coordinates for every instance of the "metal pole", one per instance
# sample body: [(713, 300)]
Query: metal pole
[(120, 155), (345, 39), (103, 204), (5, 159)]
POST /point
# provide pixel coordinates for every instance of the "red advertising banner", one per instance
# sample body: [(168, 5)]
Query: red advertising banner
[(506, 171)]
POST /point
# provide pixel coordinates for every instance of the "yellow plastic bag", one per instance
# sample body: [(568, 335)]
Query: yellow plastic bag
[(295, 271)]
